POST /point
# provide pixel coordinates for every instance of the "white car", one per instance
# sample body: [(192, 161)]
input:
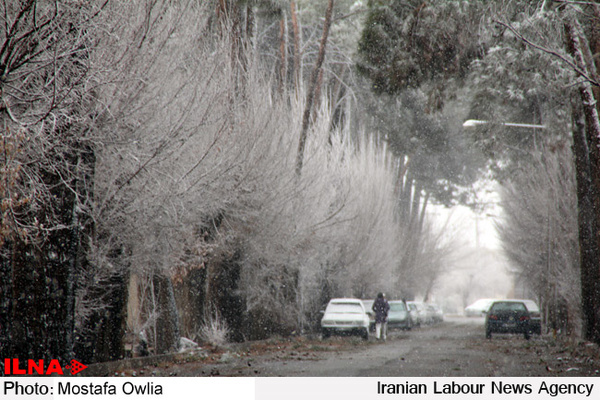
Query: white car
[(368, 304), (345, 316), (418, 313), (436, 313), (479, 308)]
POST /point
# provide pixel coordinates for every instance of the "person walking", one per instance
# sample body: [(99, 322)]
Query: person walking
[(381, 307)]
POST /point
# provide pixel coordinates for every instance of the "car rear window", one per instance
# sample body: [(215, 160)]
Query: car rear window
[(506, 306), (346, 308)]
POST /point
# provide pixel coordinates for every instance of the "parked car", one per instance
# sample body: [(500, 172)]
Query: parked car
[(535, 322), (479, 308), (435, 313), (508, 316), (418, 312), (399, 316), (345, 316), (369, 310)]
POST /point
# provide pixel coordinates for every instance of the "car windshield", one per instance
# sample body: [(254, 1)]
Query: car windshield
[(397, 307), (345, 308), (505, 306)]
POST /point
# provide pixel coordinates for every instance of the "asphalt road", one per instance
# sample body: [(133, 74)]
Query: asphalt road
[(456, 347)]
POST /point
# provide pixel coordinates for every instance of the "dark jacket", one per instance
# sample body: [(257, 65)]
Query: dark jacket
[(381, 308)]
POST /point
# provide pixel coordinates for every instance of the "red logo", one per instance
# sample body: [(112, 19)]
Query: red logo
[(39, 367)]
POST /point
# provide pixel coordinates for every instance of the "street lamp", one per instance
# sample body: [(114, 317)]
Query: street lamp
[(471, 123)]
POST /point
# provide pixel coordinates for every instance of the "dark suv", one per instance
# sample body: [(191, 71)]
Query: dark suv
[(507, 316)]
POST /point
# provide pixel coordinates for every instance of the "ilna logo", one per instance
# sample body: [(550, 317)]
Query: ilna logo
[(13, 367)]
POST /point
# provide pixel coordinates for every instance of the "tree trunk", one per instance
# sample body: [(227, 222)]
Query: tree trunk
[(404, 198), (587, 161), (283, 60), (296, 30), (314, 78), (167, 323)]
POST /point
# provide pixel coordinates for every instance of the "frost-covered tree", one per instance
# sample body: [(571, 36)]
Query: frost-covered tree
[(541, 48), (538, 230), (415, 56), (409, 43), (197, 187), (47, 168)]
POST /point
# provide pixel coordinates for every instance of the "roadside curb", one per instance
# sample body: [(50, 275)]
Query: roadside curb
[(108, 368)]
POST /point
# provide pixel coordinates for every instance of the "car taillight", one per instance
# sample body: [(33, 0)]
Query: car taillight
[(493, 316), (524, 318)]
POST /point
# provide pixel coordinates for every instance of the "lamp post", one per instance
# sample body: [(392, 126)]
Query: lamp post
[(550, 266), (471, 123)]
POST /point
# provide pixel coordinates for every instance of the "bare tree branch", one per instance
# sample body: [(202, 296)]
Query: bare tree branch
[(549, 51)]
